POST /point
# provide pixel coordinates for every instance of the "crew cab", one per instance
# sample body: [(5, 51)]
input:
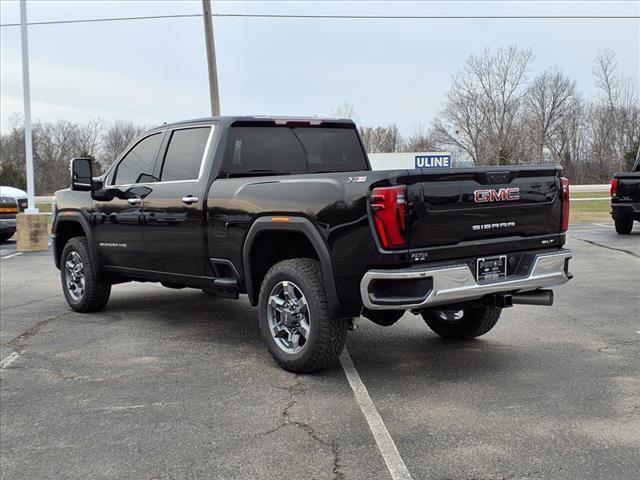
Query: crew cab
[(289, 213), (625, 198)]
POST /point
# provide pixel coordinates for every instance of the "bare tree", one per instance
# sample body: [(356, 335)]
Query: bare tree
[(116, 139), (483, 108), (54, 144), (12, 158), (617, 115), (419, 140), (381, 139), (346, 110), (549, 101)]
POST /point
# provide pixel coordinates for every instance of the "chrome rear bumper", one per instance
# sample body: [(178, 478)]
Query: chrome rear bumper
[(456, 283)]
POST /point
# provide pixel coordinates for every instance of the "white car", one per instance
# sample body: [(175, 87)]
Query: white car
[(12, 201)]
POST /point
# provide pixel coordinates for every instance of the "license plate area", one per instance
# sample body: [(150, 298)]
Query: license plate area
[(491, 268)]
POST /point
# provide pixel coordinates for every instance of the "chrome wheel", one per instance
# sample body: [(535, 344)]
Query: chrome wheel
[(288, 316), (451, 316), (74, 275)]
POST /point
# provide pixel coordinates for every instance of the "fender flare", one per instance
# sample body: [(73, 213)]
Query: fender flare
[(68, 216), (298, 225)]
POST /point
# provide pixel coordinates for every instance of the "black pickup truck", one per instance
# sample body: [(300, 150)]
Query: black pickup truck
[(289, 212), (625, 198)]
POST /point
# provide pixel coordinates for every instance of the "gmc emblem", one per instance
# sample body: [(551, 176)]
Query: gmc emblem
[(491, 195)]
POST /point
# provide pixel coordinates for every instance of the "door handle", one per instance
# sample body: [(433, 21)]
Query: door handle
[(134, 201), (189, 199)]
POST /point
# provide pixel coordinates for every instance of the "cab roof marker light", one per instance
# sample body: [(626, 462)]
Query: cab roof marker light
[(297, 121)]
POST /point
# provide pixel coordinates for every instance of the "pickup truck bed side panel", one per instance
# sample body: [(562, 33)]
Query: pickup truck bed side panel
[(337, 207)]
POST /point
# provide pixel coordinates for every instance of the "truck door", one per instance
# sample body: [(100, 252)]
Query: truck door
[(173, 211), (118, 221)]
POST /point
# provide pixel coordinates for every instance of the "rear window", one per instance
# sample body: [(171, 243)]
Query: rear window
[(284, 150)]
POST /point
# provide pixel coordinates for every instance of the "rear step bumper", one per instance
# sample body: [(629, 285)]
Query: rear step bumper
[(426, 287)]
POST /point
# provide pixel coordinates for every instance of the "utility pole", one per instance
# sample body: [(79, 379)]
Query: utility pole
[(26, 93), (211, 58)]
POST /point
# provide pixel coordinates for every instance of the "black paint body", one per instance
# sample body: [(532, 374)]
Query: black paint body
[(169, 241), (626, 204)]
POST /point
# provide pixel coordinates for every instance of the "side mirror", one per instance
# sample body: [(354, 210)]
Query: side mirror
[(81, 174)]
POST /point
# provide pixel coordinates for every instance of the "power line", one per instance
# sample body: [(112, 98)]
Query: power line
[(339, 17)]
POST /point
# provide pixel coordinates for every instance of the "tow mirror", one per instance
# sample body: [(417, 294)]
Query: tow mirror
[(81, 174)]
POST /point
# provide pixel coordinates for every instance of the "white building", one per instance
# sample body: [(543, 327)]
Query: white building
[(410, 160)]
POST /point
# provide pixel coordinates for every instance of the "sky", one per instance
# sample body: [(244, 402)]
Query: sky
[(392, 71)]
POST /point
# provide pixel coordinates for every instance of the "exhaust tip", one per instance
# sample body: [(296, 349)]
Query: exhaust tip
[(537, 297)]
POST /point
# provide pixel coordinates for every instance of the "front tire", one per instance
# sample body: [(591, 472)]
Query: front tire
[(462, 324), (624, 227), (295, 321), (82, 289)]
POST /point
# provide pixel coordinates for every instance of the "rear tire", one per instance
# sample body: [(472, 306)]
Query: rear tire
[(462, 324), (295, 321), (624, 227), (82, 289)]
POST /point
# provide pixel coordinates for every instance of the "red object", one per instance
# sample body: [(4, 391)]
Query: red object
[(565, 204), (389, 210), (614, 187)]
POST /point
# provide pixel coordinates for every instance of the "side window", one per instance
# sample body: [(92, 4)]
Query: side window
[(138, 165), (184, 154)]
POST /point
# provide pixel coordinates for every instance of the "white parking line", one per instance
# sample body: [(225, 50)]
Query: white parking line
[(8, 360), (638, 332), (12, 255), (386, 445)]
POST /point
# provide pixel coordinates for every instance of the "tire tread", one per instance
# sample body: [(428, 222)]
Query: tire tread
[(332, 333), (475, 323), (624, 227), (97, 292)]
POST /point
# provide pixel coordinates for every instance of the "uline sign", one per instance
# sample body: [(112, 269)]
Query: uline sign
[(433, 161)]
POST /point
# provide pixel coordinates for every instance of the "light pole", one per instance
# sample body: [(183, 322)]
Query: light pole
[(211, 58), (32, 227), (26, 92)]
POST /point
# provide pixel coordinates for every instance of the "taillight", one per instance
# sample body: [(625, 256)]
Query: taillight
[(565, 204), (389, 210), (614, 187)]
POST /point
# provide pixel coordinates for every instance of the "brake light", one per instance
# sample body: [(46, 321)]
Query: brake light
[(614, 187), (565, 204), (389, 210)]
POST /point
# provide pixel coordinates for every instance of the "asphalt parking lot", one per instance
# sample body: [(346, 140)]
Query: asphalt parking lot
[(168, 384)]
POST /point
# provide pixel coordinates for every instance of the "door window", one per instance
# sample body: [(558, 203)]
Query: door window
[(139, 164), (185, 154)]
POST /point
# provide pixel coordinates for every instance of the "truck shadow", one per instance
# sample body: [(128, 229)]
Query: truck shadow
[(421, 354), (192, 315)]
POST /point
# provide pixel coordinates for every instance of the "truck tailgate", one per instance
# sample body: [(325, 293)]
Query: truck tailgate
[(479, 205)]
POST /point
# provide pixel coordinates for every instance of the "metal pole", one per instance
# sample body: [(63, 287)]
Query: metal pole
[(211, 58), (28, 144)]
